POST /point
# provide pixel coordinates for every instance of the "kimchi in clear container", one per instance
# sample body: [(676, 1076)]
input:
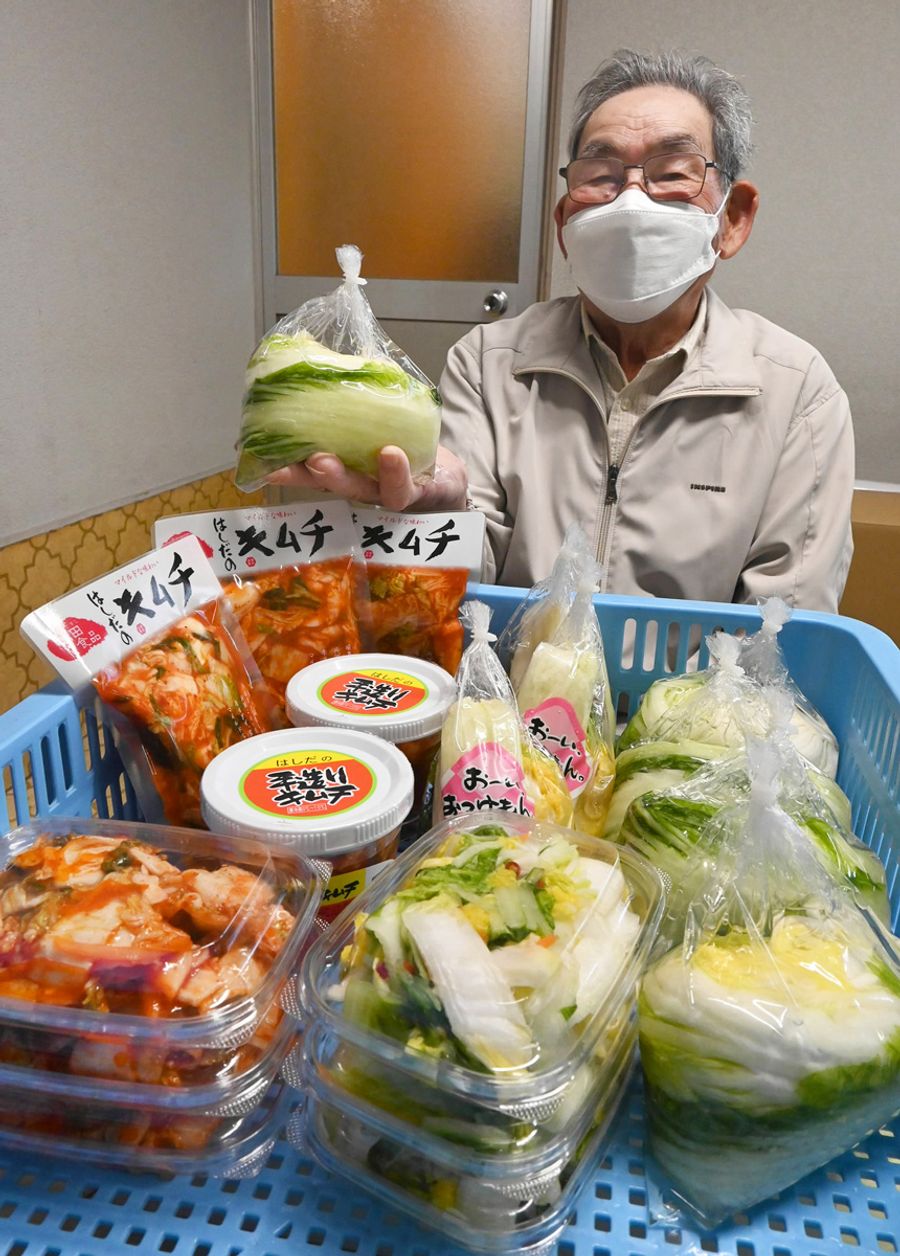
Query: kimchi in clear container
[(151, 1117), (101, 1135), (492, 961), (490, 1204), (144, 954)]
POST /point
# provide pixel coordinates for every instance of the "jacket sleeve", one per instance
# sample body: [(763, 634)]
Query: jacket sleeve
[(468, 431), (803, 544)]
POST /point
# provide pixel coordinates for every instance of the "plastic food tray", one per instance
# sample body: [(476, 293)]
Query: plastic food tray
[(59, 760), (532, 1162), (541, 1092), (508, 1195)]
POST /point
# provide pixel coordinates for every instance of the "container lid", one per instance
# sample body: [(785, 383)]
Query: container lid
[(393, 696), (323, 791)]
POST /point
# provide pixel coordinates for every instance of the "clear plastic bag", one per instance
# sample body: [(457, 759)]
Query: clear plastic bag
[(545, 607), (295, 578), (326, 379), (565, 701), (418, 567), (726, 703), (488, 762), (667, 827), (762, 660), (716, 707), (769, 1037), (160, 643)]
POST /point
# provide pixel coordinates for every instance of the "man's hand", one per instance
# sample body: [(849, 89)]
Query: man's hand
[(395, 488)]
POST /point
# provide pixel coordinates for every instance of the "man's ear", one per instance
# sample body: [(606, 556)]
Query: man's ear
[(558, 219), (737, 218)]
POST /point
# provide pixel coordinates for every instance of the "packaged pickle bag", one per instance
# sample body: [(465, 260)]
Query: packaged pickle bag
[(545, 607), (770, 1038), (159, 642), (678, 707), (666, 826), (294, 577), (418, 567), (686, 722), (326, 379), (566, 704), (762, 659), (488, 761)]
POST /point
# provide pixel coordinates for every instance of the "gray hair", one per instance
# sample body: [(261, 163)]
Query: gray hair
[(718, 90)]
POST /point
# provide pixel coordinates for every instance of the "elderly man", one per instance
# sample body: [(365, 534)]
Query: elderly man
[(707, 452)]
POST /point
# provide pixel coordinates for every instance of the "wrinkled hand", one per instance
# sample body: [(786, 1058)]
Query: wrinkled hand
[(395, 487)]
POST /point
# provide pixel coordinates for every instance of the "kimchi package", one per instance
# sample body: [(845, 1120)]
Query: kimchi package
[(293, 576), (418, 567), (326, 379), (159, 642), (488, 761)]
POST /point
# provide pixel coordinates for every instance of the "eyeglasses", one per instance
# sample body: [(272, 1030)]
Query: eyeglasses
[(666, 177)]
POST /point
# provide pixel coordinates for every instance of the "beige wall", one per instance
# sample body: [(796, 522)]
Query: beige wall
[(823, 260), (126, 250)]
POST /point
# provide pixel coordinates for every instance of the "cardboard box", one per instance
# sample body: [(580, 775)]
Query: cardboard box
[(873, 585)]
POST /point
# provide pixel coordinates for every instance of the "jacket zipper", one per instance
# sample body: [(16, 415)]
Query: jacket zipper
[(611, 501), (614, 469)]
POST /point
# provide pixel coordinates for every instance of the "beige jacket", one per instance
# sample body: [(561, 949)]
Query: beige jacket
[(736, 484)]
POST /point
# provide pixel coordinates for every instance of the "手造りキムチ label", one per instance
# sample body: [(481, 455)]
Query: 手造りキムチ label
[(311, 783)]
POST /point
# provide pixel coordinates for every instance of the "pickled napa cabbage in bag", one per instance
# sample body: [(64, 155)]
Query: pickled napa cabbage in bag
[(488, 762), (545, 607), (326, 379), (565, 701), (770, 1038), (762, 659), (722, 704), (671, 829)]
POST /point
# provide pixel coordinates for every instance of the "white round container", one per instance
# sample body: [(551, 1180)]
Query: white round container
[(332, 793), (395, 697), (401, 699)]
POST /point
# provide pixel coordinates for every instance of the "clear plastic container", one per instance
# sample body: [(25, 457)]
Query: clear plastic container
[(521, 1205), (479, 1141), (402, 699), (331, 793), (106, 1136), (146, 954), (438, 1012), (233, 1086)]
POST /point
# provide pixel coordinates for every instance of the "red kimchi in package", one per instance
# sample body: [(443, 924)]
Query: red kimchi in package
[(158, 641), (418, 568), (293, 576)]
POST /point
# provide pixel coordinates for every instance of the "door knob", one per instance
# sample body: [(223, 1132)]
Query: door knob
[(496, 303)]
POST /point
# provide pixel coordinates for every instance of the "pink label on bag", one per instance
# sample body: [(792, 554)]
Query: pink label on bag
[(488, 779), (555, 726)]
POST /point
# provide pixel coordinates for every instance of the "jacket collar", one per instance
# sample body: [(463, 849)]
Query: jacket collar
[(722, 362)]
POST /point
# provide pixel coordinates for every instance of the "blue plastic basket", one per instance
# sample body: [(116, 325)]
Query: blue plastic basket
[(57, 759)]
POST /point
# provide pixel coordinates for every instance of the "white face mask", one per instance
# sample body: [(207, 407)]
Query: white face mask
[(634, 257)]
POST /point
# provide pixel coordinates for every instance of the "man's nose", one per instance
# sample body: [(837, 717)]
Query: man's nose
[(633, 177)]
